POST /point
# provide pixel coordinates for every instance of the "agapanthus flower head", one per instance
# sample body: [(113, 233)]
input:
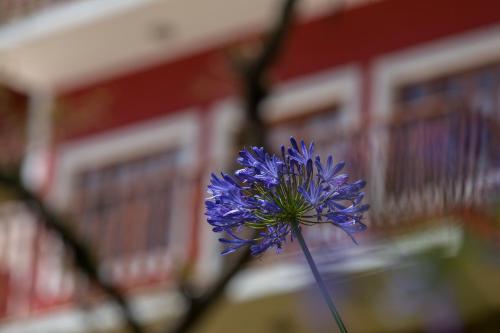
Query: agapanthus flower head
[(271, 192)]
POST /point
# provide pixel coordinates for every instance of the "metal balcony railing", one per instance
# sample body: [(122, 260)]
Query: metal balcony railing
[(435, 164)]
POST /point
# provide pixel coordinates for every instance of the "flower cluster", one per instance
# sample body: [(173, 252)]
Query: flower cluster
[(270, 193)]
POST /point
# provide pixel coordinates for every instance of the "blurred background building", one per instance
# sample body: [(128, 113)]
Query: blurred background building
[(118, 110)]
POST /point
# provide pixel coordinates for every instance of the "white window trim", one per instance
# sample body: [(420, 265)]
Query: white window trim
[(176, 131), (340, 86), (122, 144), (429, 61), (424, 62)]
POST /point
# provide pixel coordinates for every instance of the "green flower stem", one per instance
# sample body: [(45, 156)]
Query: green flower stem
[(317, 276)]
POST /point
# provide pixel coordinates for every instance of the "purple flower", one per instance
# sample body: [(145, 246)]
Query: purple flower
[(328, 173), (270, 192), (259, 167), (313, 195), (301, 156)]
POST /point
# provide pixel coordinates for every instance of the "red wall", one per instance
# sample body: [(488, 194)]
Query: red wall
[(356, 35)]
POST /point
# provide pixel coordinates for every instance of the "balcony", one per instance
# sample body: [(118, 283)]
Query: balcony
[(422, 172)]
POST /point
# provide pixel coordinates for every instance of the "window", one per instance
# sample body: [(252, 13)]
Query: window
[(131, 192), (125, 207), (444, 132)]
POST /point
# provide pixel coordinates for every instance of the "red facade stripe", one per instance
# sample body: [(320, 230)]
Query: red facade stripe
[(356, 35)]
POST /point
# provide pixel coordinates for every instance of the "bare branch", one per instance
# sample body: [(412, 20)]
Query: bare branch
[(254, 77), (82, 256)]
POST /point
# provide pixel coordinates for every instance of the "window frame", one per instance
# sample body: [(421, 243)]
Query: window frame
[(420, 63), (180, 131)]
